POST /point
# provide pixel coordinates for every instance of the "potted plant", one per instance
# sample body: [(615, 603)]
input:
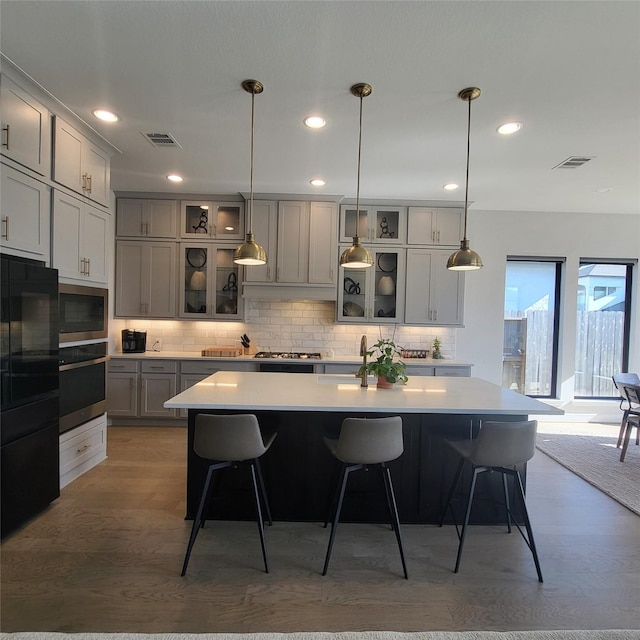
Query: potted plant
[(385, 364), (436, 355)]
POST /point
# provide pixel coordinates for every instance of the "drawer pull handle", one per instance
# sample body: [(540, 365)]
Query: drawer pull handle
[(81, 449), (6, 142)]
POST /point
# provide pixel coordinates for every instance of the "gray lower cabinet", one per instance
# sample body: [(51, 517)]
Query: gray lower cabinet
[(158, 383), (138, 388), (462, 370), (122, 388)]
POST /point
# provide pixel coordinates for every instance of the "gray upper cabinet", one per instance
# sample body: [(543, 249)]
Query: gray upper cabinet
[(434, 295), (435, 226), (140, 218), (26, 210), (81, 233), (376, 224), (26, 128), (79, 164), (145, 279)]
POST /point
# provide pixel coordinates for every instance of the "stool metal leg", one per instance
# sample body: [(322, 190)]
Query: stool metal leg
[(506, 501), (198, 521), (527, 523), (393, 508), (627, 435), (264, 491), (476, 471), (259, 516), (447, 503), (346, 470)]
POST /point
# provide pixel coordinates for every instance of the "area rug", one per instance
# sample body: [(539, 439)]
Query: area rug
[(589, 450), (608, 634)]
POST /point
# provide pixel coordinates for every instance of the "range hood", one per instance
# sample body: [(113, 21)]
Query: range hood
[(277, 291)]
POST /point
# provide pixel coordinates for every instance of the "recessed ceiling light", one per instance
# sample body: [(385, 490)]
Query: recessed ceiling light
[(174, 178), (317, 182), (451, 186), (604, 190), (315, 122), (508, 128), (107, 116)]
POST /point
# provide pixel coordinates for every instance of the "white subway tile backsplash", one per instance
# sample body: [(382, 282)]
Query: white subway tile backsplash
[(283, 325)]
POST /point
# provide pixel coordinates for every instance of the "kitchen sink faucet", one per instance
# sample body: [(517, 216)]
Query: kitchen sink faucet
[(363, 353)]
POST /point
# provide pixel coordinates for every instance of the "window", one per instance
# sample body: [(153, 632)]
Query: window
[(602, 327), (530, 350)]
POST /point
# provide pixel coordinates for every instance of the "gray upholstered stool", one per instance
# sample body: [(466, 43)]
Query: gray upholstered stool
[(227, 440), (500, 446), (363, 443)]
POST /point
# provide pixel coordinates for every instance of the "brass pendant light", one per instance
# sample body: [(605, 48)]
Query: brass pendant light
[(357, 256), (465, 259), (250, 252)]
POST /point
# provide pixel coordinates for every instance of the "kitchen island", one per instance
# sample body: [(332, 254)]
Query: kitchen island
[(303, 408)]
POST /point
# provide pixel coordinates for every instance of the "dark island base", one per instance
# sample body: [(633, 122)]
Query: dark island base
[(300, 473)]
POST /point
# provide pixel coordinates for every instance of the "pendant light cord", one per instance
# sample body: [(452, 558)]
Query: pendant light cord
[(253, 103), (359, 157), (466, 187)]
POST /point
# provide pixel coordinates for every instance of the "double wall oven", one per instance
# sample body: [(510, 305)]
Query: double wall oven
[(83, 356)]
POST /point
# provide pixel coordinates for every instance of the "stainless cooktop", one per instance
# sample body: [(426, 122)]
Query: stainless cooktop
[(288, 355)]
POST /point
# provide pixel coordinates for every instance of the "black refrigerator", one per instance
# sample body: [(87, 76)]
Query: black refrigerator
[(29, 435)]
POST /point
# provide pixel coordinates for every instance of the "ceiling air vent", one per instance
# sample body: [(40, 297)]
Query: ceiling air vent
[(162, 140), (573, 162)]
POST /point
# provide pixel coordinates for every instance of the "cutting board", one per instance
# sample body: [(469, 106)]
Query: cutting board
[(223, 352)]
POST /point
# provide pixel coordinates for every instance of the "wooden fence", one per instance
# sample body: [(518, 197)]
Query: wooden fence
[(598, 353)]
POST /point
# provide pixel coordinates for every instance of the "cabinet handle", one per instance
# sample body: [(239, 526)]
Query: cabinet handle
[(6, 142), (89, 182), (82, 266), (81, 449), (84, 181), (5, 232), (88, 263), (438, 236), (156, 367)]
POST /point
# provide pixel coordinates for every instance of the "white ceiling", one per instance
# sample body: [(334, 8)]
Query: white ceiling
[(569, 70)]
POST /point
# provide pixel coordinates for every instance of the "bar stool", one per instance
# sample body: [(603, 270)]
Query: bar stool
[(227, 440), (500, 446), (363, 443)]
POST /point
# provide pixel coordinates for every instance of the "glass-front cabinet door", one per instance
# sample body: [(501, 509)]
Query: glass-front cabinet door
[(219, 220), (376, 224), (209, 282), (376, 294)]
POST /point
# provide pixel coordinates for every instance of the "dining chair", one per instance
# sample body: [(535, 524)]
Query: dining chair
[(632, 393), (626, 406), (226, 441), (364, 443), (499, 447)]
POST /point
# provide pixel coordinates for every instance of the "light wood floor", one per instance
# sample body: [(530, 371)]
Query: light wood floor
[(106, 556)]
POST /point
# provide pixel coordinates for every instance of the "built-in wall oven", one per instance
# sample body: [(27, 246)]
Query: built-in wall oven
[(83, 312), (83, 376)]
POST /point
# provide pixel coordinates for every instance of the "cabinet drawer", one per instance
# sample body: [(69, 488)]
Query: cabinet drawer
[(420, 371), (207, 367), (159, 366), (81, 449), (454, 372), (126, 366)]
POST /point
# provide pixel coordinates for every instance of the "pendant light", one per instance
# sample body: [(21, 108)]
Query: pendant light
[(465, 259), (250, 252), (357, 256)]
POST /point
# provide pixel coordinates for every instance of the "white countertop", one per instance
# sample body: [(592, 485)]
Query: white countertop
[(338, 359), (253, 391)]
